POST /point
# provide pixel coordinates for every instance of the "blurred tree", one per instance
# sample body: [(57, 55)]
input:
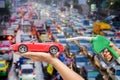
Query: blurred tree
[(115, 4)]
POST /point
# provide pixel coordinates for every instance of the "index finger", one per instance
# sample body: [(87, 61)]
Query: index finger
[(113, 46), (34, 54)]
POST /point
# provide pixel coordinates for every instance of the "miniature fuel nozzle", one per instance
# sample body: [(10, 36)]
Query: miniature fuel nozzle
[(100, 43)]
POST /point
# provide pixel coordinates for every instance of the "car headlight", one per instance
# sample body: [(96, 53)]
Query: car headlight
[(78, 66)]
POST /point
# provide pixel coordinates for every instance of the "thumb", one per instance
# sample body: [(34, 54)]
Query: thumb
[(113, 46)]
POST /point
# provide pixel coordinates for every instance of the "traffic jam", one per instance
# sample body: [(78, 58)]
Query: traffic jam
[(43, 28)]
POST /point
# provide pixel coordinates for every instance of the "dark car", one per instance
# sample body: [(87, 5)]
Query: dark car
[(113, 20), (73, 48), (68, 32)]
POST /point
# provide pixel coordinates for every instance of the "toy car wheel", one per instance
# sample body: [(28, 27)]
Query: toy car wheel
[(53, 50), (23, 48)]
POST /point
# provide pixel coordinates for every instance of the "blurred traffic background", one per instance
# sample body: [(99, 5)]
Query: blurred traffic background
[(54, 21)]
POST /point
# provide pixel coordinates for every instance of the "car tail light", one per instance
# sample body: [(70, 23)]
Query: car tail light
[(9, 37), (33, 72), (20, 72)]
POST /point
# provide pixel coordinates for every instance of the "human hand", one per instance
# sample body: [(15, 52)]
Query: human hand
[(115, 48), (38, 56)]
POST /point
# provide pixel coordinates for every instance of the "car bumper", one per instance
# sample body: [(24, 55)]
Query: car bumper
[(27, 77)]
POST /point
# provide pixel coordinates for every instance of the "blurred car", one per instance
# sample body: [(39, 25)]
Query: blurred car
[(44, 37), (26, 72), (65, 21), (68, 32), (92, 72), (63, 42), (5, 51), (116, 72), (117, 42), (73, 48), (113, 20), (87, 45), (59, 36), (51, 47), (14, 27), (109, 34), (4, 68), (117, 34), (39, 28), (34, 17), (63, 26), (48, 23), (77, 26), (81, 60), (84, 42), (54, 30), (88, 33), (42, 31), (25, 37)]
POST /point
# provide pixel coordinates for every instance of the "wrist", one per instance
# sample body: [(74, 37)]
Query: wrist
[(53, 61)]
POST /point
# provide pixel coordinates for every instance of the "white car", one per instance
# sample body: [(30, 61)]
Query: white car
[(26, 72)]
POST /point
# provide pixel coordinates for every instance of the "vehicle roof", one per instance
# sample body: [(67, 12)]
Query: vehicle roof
[(26, 66), (117, 67)]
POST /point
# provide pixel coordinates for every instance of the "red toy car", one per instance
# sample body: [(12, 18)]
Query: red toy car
[(51, 47)]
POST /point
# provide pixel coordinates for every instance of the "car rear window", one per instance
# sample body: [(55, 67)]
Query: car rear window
[(27, 71), (117, 72), (2, 65)]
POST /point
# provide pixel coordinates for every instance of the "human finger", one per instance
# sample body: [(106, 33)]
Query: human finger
[(38, 56), (34, 54), (33, 58), (113, 46)]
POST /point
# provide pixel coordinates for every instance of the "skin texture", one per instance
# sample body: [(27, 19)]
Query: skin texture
[(115, 48)]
